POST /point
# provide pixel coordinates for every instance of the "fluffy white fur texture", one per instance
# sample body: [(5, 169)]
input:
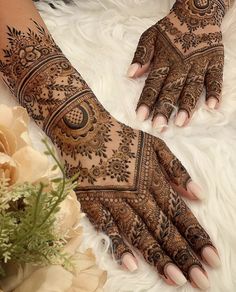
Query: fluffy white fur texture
[(99, 37)]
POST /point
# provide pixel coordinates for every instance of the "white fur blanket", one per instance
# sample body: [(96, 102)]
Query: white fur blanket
[(99, 38)]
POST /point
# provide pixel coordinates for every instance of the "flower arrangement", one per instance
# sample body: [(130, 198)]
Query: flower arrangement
[(39, 217)]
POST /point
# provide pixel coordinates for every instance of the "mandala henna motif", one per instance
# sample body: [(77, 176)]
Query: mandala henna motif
[(184, 45), (124, 174)]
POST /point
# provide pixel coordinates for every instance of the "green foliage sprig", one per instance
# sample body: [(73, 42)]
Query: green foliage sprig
[(27, 220)]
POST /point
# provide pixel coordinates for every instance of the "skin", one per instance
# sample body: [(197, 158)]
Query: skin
[(127, 205)]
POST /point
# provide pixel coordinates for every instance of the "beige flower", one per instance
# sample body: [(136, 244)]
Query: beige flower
[(69, 216), (87, 277), (13, 129), (18, 160)]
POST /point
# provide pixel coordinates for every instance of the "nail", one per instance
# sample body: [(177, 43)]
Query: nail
[(211, 257), (199, 278), (181, 118), (194, 189), (212, 102), (130, 263), (133, 69), (142, 112), (174, 274), (159, 123)]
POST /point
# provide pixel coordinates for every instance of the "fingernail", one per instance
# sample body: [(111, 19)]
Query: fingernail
[(199, 278), (181, 118), (130, 263), (133, 69), (174, 274), (194, 189), (142, 112), (159, 123), (212, 102), (211, 257)]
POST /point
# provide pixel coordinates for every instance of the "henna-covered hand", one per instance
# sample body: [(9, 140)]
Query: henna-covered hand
[(125, 176), (184, 52)]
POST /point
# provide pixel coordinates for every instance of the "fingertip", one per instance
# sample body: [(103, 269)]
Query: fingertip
[(130, 262), (142, 112), (211, 256), (142, 69), (174, 274), (181, 118), (133, 68), (195, 190), (159, 123), (199, 278), (168, 281), (212, 103)]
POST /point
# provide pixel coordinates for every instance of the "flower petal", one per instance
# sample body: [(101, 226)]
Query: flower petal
[(32, 165), (6, 116), (8, 168), (8, 140), (69, 214)]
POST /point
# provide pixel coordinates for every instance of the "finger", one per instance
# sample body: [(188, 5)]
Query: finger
[(146, 46), (142, 112), (180, 215), (167, 235), (138, 235), (176, 173), (191, 93), (103, 221), (212, 103), (170, 92), (153, 86), (193, 191), (136, 70), (159, 123), (214, 79)]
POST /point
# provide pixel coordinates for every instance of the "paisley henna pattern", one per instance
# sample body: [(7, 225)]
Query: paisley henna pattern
[(125, 175), (183, 47)]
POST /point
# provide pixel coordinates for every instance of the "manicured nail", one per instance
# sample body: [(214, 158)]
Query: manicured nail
[(133, 69), (159, 123), (199, 278), (195, 190), (181, 118), (130, 263), (174, 274), (142, 112), (211, 257), (212, 102)]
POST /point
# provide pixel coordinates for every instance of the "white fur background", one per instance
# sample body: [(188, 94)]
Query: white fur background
[(99, 38)]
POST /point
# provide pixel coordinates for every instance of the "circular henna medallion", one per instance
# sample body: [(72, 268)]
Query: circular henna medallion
[(77, 118), (201, 4)]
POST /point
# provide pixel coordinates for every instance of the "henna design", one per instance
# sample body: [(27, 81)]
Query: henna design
[(124, 174), (184, 45)]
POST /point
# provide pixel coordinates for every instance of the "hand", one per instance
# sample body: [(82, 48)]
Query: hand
[(127, 179), (183, 52)]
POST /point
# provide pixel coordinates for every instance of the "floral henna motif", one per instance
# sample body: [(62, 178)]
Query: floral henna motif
[(125, 175), (184, 45), (199, 14)]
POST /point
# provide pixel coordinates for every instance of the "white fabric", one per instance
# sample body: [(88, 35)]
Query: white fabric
[(99, 38)]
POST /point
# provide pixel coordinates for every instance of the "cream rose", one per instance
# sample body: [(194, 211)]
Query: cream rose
[(19, 162)]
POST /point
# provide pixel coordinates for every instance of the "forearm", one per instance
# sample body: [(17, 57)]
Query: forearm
[(37, 72), (17, 14)]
